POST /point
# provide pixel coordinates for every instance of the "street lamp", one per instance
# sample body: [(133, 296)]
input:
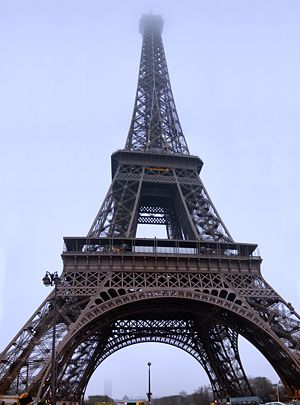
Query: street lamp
[(53, 279), (149, 393)]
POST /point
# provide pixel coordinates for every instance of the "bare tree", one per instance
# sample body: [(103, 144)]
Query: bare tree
[(262, 387)]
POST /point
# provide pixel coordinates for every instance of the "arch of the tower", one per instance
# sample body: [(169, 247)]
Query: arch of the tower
[(204, 326), (163, 334), (186, 332)]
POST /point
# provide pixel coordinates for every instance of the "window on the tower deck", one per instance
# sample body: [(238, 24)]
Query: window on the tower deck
[(156, 170)]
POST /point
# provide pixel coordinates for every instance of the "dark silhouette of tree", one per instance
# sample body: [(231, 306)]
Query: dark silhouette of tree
[(202, 396), (263, 388), (99, 398)]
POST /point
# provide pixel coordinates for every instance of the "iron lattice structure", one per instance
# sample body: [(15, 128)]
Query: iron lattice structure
[(197, 289)]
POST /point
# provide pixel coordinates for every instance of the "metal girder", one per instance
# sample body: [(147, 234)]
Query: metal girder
[(228, 308), (222, 345), (26, 359), (177, 200), (186, 335), (155, 124), (155, 130), (100, 341)]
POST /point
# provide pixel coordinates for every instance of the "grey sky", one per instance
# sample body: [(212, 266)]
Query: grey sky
[(68, 78)]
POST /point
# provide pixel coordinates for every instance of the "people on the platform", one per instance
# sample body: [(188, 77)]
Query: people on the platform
[(25, 399)]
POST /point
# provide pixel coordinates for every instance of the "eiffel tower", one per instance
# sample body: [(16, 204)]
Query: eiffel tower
[(197, 289)]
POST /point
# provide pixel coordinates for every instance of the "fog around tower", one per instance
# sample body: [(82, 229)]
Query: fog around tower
[(68, 80)]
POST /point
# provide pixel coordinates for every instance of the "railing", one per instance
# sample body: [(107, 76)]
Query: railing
[(124, 246)]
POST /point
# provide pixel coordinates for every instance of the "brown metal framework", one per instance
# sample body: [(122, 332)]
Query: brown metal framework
[(197, 290)]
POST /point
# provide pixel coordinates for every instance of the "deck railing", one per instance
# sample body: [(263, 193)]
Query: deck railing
[(155, 246)]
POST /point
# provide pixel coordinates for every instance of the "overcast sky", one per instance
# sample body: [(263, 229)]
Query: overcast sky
[(68, 76)]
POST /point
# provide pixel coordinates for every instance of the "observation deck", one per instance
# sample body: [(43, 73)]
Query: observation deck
[(159, 255)]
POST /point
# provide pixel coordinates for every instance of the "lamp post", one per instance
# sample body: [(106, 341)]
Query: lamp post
[(149, 393), (53, 279)]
